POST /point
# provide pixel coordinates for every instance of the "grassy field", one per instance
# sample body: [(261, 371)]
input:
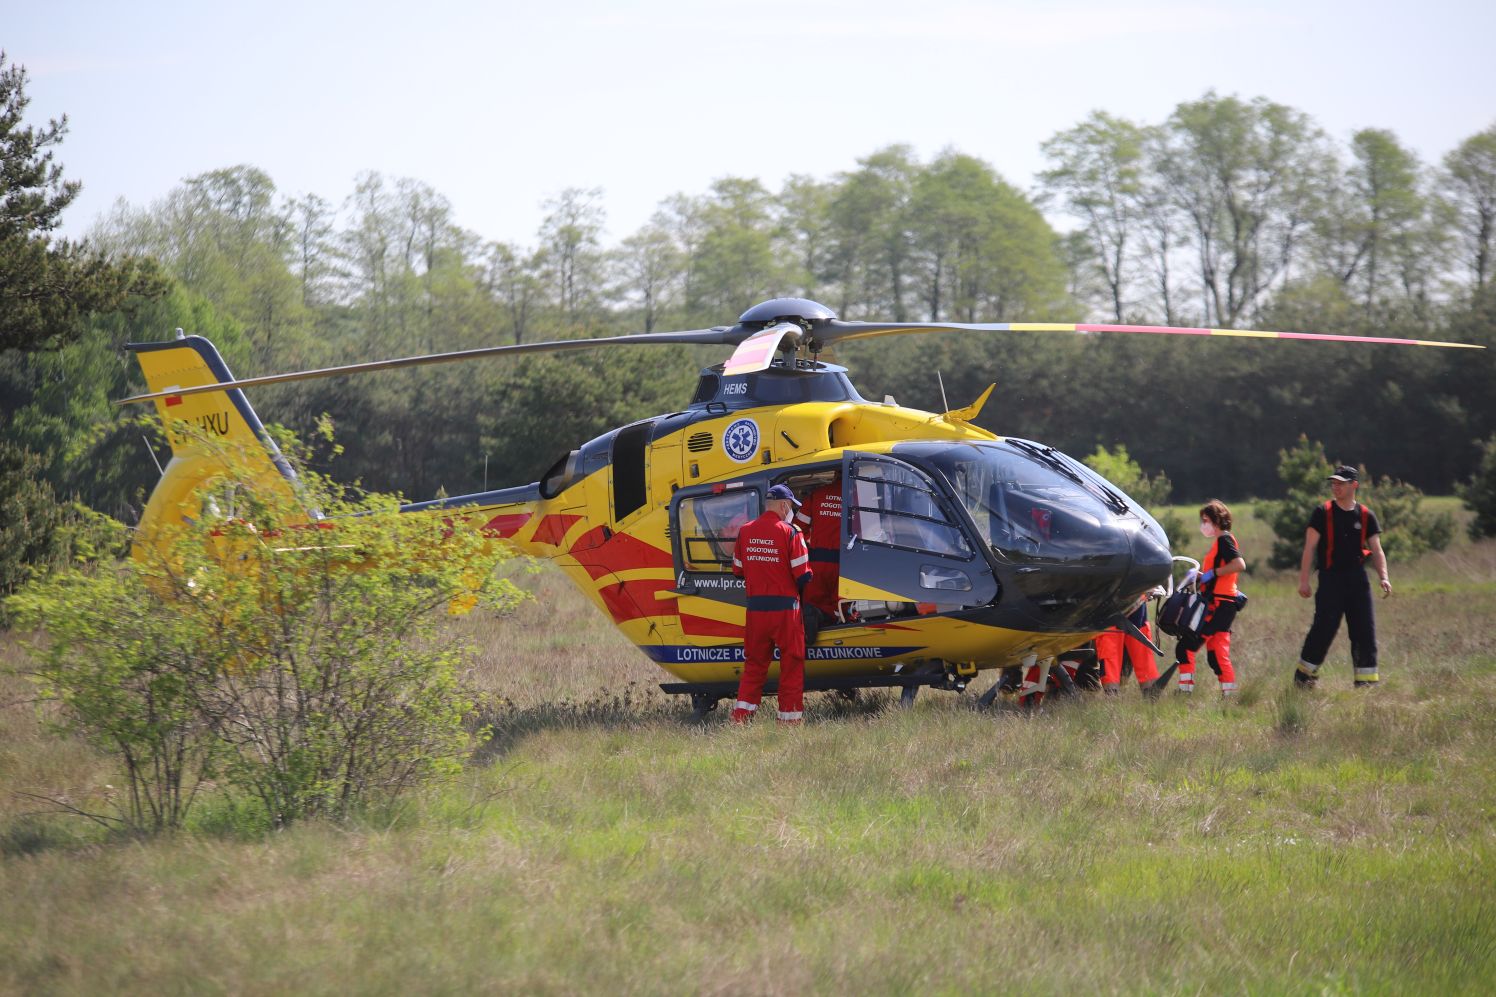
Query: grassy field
[(1344, 841)]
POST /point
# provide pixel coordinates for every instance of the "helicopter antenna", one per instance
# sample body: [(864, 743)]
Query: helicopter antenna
[(152, 452), (945, 406)]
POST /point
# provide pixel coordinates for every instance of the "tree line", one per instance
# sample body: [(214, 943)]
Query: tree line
[(1230, 212)]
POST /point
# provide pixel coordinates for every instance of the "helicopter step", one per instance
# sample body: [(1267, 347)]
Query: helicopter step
[(1006, 682), (703, 703)]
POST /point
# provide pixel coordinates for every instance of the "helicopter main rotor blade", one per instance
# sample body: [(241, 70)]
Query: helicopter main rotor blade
[(757, 342), (836, 330), (720, 336)]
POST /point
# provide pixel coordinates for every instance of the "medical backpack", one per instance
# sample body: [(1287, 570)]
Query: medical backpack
[(1183, 613)]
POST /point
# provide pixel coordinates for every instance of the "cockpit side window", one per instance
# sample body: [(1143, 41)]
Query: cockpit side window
[(896, 506), (630, 447), (1024, 507), (708, 527)]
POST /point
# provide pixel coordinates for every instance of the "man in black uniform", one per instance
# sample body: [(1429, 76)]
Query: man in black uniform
[(1342, 534)]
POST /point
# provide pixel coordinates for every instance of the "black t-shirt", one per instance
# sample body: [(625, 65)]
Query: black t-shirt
[(1348, 556)]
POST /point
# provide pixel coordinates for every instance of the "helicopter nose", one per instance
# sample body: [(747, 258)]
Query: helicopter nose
[(1087, 588), (1151, 562)]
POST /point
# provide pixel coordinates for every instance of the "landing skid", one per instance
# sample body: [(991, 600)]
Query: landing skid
[(706, 695)]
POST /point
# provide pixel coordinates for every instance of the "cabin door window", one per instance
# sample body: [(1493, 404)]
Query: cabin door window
[(707, 527)]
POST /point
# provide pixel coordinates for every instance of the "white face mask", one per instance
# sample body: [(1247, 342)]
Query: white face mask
[(1207, 529)]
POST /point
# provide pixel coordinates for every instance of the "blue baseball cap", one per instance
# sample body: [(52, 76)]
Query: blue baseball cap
[(783, 492)]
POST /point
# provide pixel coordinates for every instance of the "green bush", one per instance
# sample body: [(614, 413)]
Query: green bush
[(38, 533), (29, 516), (301, 667), (1479, 493), (1118, 467), (1303, 471), (1407, 531), (118, 667)]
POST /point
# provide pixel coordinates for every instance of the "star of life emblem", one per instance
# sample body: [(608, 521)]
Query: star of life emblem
[(740, 440)]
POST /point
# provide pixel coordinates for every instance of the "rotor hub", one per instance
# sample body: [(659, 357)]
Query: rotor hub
[(801, 311)]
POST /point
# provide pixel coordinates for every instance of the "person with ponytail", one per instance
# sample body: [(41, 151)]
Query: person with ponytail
[(1216, 579)]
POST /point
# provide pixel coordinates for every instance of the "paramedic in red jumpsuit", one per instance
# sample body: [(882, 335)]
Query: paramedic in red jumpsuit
[(773, 562), (820, 520), (1113, 643)]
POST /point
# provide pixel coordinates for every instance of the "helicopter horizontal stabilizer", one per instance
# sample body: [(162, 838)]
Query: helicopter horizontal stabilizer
[(971, 411)]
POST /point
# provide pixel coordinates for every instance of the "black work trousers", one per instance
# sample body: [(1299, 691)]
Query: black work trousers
[(1343, 595)]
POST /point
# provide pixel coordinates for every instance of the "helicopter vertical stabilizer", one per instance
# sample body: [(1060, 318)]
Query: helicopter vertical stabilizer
[(208, 432)]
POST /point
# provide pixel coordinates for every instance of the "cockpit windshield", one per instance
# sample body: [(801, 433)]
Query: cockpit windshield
[(1031, 502)]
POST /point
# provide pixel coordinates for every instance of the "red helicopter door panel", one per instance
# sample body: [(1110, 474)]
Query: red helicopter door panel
[(901, 540)]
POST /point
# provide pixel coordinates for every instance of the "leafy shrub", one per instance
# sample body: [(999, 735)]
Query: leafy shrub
[(1303, 471), (1118, 467), (301, 666), (1407, 531), (119, 665), (85, 536), (29, 515), (39, 533), (1479, 493)]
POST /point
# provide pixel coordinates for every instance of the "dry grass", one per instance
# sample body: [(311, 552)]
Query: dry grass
[(554, 647), (1341, 841)]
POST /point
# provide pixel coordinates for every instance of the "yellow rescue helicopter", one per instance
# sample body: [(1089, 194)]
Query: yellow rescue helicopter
[(959, 550)]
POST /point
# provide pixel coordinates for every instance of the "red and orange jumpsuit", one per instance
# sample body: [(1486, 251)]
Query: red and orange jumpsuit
[(1220, 590), (1038, 680), (820, 518), (1111, 645), (771, 558)]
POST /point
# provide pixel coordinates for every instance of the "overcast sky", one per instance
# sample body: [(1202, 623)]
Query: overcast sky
[(499, 106)]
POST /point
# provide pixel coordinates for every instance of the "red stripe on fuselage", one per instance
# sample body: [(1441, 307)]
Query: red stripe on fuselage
[(618, 554), (636, 599), (703, 626), (553, 529), (505, 525)]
